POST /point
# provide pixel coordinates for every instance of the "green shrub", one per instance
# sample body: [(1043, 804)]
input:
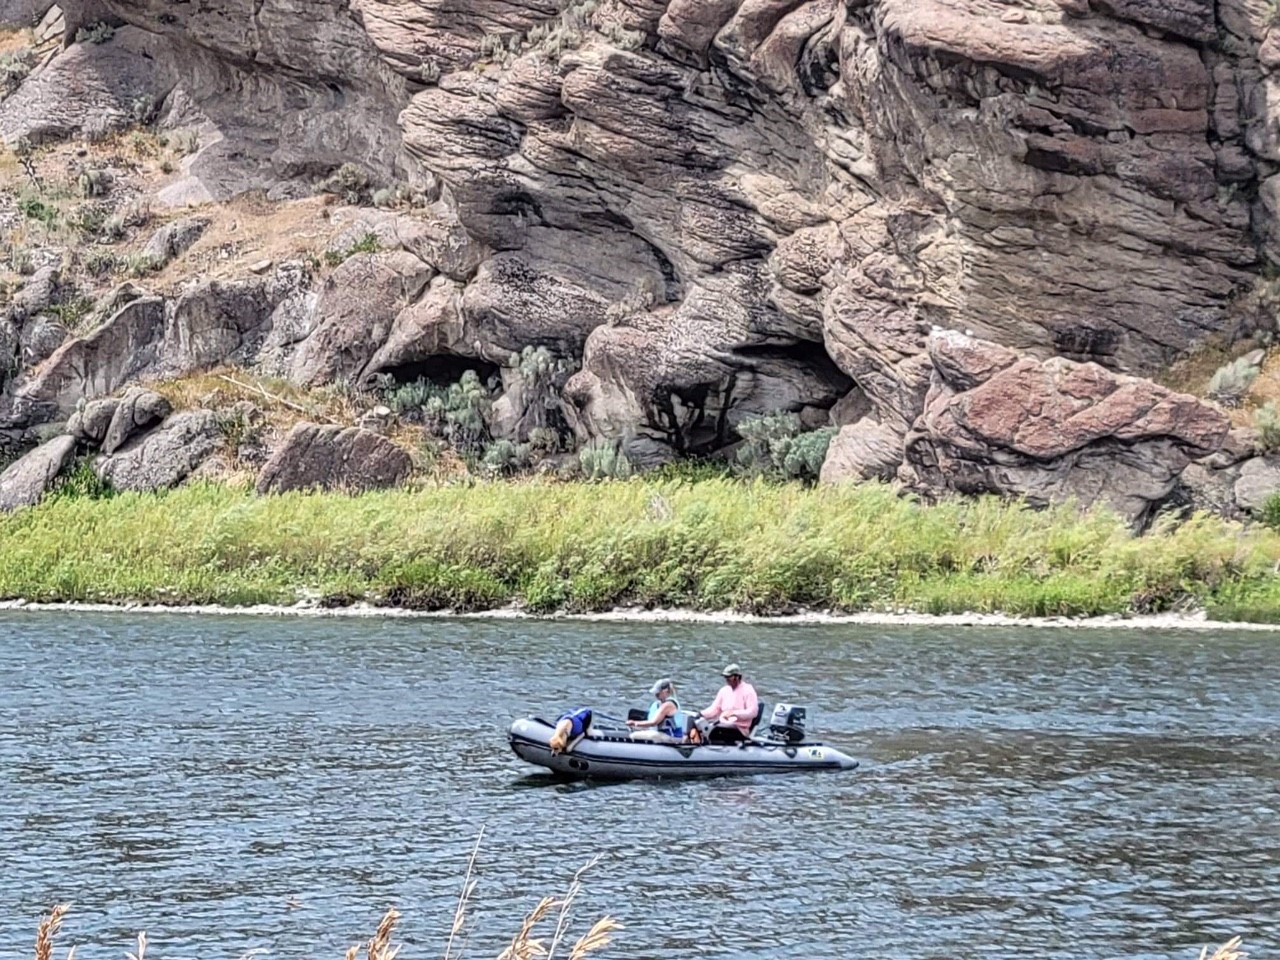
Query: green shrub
[(93, 183), (89, 218), (1231, 382), (34, 207), (142, 109), (503, 457), (143, 264), (603, 459), (350, 182), (369, 243), (98, 32), (81, 482), (1267, 421), (777, 447), (72, 310), (1269, 513), (459, 414), (101, 263), (185, 141), (14, 68), (408, 399)]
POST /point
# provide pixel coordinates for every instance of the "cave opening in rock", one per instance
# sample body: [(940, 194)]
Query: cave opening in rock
[(441, 370), (807, 354)]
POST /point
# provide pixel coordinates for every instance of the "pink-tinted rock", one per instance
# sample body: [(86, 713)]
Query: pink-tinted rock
[(1054, 430)]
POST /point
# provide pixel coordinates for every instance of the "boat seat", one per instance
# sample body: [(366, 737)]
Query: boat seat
[(759, 716)]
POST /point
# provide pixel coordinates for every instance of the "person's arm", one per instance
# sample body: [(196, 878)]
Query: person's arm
[(664, 711), (752, 703), (716, 708)]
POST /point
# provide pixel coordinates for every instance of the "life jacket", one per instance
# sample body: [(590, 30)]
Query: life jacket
[(580, 718), (672, 726)]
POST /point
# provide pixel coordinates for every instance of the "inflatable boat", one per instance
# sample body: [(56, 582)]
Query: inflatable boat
[(613, 755)]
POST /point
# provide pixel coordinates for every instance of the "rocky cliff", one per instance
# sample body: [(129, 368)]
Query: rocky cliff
[(716, 209)]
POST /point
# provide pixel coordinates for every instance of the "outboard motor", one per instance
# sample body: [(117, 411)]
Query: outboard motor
[(787, 723)]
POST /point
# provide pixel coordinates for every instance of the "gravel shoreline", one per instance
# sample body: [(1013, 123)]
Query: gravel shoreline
[(1163, 621)]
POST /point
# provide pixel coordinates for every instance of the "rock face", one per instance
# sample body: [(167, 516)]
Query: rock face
[(90, 425), (997, 422), (1257, 480), (25, 482), (715, 209), (137, 410), (165, 456), (99, 363), (23, 13), (334, 458), (112, 84), (173, 239)]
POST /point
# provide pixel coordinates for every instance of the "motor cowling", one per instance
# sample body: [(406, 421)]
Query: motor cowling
[(787, 723)]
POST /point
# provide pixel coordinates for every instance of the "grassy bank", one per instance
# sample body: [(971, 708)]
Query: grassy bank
[(711, 544)]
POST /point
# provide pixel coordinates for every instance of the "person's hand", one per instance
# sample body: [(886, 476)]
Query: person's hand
[(729, 717), (632, 723)]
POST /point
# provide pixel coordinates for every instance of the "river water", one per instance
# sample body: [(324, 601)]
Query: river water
[(233, 784)]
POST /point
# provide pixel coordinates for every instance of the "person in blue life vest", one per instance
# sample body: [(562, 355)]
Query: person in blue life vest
[(570, 725), (665, 722)]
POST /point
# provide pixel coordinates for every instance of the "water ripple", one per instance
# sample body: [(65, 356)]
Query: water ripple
[(231, 784)]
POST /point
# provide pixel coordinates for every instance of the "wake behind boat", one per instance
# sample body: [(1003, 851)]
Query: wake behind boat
[(613, 755)]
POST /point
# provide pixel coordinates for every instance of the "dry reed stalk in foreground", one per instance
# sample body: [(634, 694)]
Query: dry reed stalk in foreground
[(460, 912), (48, 930), (142, 949), (1228, 951), (523, 946), (380, 943)]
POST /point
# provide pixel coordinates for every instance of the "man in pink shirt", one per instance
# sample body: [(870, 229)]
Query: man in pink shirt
[(734, 708)]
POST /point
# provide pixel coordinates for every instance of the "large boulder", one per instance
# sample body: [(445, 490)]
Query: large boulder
[(92, 88), (90, 422), (1257, 480), (865, 450), (100, 362), (165, 456), (41, 290), (334, 458), (26, 481), (222, 321), (138, 409), (173, 239), (355, 312), (1053, 430), (40, 339), (23, 13)]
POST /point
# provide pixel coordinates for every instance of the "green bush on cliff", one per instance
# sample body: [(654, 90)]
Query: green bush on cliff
[(1266, 419), (1230, 383), (98, 32), (777, 446), (604, 459), (1269, 514)]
